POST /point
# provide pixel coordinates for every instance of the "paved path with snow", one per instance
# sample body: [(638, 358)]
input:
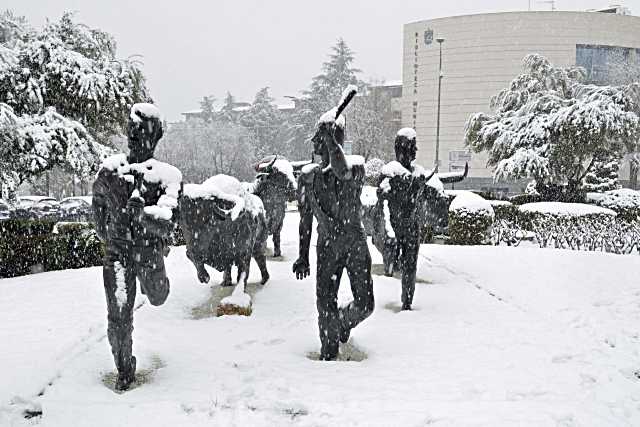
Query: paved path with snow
[(499, 336)]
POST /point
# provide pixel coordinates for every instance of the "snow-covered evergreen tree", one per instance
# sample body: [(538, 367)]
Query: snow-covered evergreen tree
[(62, 94), (265, 122), (369, 122), (324, 93), (549, 126), (603, 175)]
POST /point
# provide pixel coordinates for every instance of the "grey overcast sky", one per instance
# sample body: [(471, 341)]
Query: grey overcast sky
[(194, 48)]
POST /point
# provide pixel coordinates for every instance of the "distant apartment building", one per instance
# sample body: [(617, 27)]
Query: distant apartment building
[(482, 53)]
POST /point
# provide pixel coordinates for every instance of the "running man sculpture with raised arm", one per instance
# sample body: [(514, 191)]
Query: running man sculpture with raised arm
[(331, 191)]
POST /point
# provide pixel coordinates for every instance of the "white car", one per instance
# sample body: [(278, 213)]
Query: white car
[(37, 207), (77, 208)]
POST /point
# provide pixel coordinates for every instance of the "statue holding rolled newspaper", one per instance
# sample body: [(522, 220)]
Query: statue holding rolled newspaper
[(330, 192)]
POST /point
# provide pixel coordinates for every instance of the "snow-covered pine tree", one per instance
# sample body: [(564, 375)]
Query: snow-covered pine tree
[(603, 175), (370, 127), (323, 93), (549, 126), (265, 122)]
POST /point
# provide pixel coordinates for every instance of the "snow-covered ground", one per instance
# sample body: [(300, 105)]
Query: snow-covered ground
[(499, 336)]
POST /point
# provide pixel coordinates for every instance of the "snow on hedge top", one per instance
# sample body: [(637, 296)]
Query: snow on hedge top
[(330, 117), (500, 203), (408, 133), (565, 209), (225, 187), (623, 198), (470, 202), (145, 110)]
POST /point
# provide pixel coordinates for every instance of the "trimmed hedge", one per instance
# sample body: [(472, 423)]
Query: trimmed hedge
[(470, 220), (28, 246)]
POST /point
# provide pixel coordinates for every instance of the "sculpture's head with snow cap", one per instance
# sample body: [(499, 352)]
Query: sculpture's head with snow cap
[(144, 132), (328, 128), (406, 147)]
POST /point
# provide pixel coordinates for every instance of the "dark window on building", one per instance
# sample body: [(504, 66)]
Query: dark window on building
[(606, 64)]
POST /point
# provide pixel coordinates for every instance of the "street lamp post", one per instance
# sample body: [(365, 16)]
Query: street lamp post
[(437, 162)]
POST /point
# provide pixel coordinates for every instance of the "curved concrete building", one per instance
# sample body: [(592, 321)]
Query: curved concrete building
[(481, 54)]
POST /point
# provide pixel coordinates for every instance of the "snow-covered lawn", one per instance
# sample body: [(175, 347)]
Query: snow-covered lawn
[(499, 336)]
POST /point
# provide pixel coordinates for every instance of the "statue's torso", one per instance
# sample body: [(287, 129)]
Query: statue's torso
[(336, 203), (117, 185), (404, 198)]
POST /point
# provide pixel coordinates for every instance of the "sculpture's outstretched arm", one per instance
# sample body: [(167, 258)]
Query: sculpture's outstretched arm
[(301, 266)]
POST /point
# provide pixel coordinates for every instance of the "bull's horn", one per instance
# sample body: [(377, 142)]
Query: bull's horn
[(453, 178)]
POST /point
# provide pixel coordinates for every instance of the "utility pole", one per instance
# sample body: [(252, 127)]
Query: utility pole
[(437, 162)]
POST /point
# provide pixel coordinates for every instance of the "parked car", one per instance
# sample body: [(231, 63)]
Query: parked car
[(37, 207), (6, 211), (76, 208)]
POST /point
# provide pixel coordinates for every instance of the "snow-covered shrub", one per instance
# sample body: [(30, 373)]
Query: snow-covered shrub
[(603, 175), (470, 220), (27, 246), (372, 170), (504, 210), (625, 202)]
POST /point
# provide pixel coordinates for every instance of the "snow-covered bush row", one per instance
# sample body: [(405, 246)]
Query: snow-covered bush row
[(470, 220), (567, 226), (31, 246)]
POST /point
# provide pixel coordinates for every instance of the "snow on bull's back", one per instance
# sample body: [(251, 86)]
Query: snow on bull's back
[(565, 209), (227, 188), (470, 202)]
